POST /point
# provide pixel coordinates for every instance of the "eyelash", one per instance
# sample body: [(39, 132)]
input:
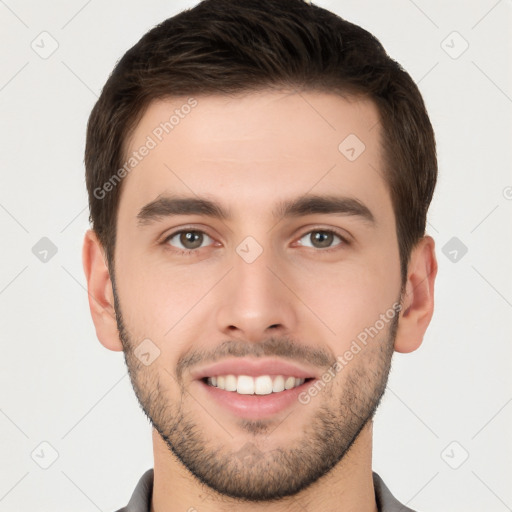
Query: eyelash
[(193, 252)]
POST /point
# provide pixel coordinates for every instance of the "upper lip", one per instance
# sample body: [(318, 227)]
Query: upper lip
[(253, 368)]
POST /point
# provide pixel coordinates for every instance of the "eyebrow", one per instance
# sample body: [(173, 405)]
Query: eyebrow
[(170, 206)]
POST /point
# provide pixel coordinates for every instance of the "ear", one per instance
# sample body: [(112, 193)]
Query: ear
[(418, 298), (101, 296)]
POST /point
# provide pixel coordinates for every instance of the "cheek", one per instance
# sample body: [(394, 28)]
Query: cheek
[(157, 299), (348, 298)]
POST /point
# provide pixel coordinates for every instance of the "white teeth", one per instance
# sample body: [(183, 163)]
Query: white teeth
[(261, 385), (289, 383), (278, 384), (230, 383), (245, 385)]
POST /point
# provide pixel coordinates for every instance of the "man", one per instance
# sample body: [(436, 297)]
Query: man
[(259, 175)]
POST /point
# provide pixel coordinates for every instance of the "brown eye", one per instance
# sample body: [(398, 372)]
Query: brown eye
[(321, 239), (188, 240)]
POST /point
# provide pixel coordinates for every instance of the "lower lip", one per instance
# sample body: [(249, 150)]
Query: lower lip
[(255, 406)]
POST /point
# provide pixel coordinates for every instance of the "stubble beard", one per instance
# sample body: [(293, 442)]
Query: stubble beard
[(252, 473)]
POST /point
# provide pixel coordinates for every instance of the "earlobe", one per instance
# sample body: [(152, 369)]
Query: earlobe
[(418, 299), (99, 288)]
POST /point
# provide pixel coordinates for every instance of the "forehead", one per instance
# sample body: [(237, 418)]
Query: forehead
[(251, 149)]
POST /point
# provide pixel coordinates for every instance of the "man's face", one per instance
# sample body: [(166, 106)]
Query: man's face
[(258, 293)]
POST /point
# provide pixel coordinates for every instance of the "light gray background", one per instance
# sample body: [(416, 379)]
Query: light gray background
[(451, 398)]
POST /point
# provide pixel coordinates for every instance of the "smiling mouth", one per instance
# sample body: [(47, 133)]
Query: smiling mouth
[(260, 385)]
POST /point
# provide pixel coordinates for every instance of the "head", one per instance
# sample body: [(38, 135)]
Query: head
[(256, 127)]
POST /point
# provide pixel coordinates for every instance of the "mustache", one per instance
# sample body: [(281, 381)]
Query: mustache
[(284, 347)]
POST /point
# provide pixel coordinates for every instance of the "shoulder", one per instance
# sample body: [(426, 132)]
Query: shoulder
[(141, 496), (386, 502)]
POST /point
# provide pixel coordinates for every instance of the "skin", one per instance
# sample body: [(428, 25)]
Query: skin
[(248, 153)]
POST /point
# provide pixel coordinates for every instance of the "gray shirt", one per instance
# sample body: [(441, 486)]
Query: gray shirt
[(141, 497)]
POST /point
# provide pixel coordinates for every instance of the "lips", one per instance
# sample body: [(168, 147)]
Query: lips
[(245, 388)]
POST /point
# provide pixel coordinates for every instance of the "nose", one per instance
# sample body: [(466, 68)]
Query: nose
[(255, 300)]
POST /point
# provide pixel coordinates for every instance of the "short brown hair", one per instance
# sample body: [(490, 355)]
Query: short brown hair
[(236, 46)]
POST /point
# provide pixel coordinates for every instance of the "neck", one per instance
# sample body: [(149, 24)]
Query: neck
[(348, 486)]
